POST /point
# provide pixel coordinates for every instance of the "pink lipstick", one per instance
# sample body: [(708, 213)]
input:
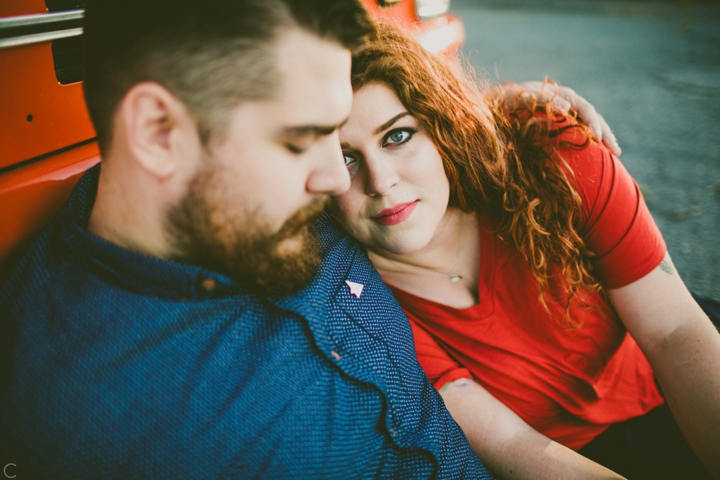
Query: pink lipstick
[(395, 214)]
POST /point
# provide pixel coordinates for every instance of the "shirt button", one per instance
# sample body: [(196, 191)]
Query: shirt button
[(209, 284), (392, 431), (335, 354)]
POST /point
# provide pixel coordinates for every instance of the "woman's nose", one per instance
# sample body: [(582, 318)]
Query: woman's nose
[(380, 176)]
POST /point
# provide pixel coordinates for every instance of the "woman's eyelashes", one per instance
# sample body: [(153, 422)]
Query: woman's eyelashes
[(391, 139), (398, 136)]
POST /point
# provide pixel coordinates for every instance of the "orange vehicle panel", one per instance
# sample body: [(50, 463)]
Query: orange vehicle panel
[(404, 12), (40, 115), (30, 196), (9, 8)]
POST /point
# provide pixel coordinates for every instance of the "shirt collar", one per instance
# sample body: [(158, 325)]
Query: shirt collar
[(177, 280), (134, 270)]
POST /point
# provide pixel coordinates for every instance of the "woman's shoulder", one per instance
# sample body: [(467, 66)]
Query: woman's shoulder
[(565, 141), (554, 127)]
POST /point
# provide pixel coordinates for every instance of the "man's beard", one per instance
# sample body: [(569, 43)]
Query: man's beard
[(205, 233)]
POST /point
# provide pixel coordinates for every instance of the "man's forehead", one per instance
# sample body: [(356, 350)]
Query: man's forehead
[(295, 42), (310, 65), (315, 93)]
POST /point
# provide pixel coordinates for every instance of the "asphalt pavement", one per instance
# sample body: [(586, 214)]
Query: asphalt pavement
[(652, 69)]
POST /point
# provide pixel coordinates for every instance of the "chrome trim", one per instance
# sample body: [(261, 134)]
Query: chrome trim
[(41, 19), (419, 8), (39, 38), (42, 27)]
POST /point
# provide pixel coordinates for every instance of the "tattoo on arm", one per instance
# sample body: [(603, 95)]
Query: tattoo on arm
[(460, 383), (667, 265)]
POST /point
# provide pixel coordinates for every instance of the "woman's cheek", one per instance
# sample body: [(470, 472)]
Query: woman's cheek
[(341, 209)]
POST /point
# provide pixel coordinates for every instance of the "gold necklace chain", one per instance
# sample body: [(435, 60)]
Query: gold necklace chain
[(452, 275)]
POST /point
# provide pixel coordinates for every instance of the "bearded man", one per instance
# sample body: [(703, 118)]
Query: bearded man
[(182, 317)]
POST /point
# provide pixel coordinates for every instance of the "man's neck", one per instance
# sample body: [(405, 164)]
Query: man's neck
[(127, 214)]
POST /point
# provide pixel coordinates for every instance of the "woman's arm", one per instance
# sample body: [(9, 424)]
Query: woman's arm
[(683, 349), (508, 446)]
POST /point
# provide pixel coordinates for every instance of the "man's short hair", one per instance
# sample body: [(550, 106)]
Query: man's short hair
[(211, 54)]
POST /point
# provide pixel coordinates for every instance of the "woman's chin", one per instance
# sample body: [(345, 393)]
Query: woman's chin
[(400, 245), (403, 239)]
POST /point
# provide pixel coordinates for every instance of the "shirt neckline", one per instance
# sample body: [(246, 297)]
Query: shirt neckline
[(134, 270)]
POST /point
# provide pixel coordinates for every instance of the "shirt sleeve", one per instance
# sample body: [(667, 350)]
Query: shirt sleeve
[(437, 364), (615, 224)]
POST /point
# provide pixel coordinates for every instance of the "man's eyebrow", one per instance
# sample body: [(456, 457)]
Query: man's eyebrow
[(314, 130), (390, 122)]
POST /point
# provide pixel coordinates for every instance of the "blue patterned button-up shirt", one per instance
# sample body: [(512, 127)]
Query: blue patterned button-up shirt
[(127, 366)]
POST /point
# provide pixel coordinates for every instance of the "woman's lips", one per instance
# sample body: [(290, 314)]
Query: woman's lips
[(395, 214)]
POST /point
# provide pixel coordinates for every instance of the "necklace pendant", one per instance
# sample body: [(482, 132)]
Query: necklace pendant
[(454, 277)]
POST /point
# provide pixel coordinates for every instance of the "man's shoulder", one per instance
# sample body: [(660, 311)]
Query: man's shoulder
[(38, 262), (35, 269), (347, 284), (331, 235)]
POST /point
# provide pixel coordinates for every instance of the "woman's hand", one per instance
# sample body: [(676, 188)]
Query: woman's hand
[(564, 98), (683, 348), (508, 446)]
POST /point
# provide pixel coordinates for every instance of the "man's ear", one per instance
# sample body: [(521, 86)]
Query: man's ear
[(151, 117)]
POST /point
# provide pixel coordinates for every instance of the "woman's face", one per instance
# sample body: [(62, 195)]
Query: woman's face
[(399, 192)]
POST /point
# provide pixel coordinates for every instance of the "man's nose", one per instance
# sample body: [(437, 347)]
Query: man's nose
[(330, 175)]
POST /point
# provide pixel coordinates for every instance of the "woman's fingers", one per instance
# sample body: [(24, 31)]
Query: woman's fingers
[(565, 98), (608, 137), (584, 109)]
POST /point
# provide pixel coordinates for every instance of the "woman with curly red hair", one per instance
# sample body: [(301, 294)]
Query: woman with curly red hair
[(542, 299)]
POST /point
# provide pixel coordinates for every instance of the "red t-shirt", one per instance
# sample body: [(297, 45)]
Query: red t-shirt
[(569, 384)]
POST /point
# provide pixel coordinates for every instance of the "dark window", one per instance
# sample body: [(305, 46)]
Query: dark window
[(388, 3), (59, 5), (67, 52), (67, 57)]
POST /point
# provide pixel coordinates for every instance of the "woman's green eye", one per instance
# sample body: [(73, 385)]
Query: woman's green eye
[(348, 160), (398, 136)]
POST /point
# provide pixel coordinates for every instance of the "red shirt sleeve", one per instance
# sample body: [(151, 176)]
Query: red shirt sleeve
[(437, 364), (616, 224)]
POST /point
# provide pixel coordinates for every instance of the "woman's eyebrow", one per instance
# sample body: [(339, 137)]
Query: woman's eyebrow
[(390, 122)]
